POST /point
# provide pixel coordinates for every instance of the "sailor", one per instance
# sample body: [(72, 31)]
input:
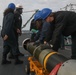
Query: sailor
[(64, 23), (17, 27), (18, 24), (38, 23), (45, 35), (33, 29), (8, 35)]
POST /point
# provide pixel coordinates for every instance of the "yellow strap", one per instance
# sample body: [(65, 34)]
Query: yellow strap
[(46, 58)]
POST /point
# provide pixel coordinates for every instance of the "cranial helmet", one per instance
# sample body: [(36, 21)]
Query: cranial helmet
[(19, 6), (11, 5), (37, 16), (46, 12)]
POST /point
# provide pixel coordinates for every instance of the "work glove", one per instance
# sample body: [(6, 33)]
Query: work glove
[(48, 44), (51, 45)]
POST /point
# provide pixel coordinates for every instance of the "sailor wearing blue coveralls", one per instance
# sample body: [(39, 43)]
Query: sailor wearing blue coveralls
[(17, 27), (33, 29), (8, 35), (46, 30), (38, 23)]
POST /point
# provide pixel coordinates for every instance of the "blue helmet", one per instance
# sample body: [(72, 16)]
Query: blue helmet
[(11, 5), (37, 16), (45, 13)]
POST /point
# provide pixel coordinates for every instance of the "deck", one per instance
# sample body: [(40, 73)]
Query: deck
[(20, 69)]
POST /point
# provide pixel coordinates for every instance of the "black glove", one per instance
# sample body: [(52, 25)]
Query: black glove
[(37, 43)]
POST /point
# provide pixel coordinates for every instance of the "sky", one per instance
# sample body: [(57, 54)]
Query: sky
[(29, 5)]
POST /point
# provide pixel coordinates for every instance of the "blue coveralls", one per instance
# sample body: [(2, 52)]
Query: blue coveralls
[(8, 29), (46, 32)]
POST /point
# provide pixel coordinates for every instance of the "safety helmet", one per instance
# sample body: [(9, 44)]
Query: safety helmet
[(11, 5), (19, 6), (37, 16), (45, 13)]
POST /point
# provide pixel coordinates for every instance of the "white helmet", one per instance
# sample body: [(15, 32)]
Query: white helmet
[(19, 6)]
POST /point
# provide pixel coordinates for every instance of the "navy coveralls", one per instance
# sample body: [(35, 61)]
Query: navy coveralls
[(8, 29), (46, 32), (17, 25)]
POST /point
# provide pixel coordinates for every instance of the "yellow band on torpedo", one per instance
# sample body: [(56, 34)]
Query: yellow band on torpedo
[(46, 58)]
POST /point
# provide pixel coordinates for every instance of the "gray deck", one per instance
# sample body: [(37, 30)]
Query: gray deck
[(20, 69)]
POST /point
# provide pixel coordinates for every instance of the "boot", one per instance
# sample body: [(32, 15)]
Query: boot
[(4, 61), (20, 54), (11, 56), (17, 61)]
